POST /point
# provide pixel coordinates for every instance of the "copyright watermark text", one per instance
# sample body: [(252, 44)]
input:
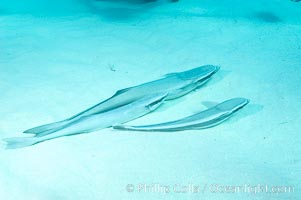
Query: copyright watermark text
[(208, 188)]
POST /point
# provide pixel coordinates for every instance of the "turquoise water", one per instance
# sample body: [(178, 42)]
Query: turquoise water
[(58, 58)]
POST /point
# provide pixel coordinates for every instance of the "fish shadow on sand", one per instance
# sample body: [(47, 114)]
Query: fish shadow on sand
[(267, 17), (249, 110), (120, 10), (119, 13), (221, 75)]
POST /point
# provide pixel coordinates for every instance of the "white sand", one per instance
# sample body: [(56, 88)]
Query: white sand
[(59, 59)]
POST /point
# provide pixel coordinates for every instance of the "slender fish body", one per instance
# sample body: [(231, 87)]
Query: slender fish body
[(175, 84), (205, 119), (95, 122)]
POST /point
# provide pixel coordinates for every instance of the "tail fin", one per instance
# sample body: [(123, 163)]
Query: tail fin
[(49, 128), (19, 142)]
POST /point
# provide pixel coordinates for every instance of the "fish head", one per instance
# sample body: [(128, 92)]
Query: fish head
[(199, 74), (233, 105)]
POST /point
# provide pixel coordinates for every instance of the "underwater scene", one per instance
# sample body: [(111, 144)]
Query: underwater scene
[(150, 99)]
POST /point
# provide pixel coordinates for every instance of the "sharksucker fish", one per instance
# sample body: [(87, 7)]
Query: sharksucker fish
[(175, 84), (95, 122), (205, 119)]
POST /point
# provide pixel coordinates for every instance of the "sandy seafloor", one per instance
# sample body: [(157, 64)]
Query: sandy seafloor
[(58, 58)]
